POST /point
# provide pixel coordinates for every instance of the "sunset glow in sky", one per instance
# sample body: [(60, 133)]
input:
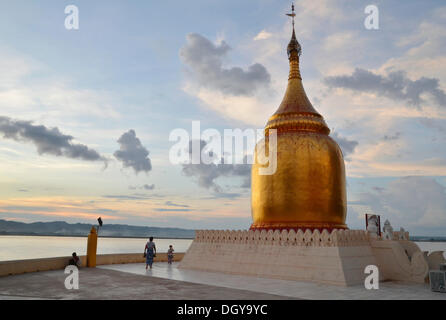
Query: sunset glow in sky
[(85, 115)]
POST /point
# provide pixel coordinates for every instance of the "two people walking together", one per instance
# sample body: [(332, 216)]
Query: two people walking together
[(150, 253)]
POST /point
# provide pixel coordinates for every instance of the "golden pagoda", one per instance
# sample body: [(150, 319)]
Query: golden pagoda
[(307, 189), (299, 203)]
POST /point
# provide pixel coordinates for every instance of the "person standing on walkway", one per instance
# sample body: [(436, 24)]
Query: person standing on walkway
[(150, 252), (170, 254)]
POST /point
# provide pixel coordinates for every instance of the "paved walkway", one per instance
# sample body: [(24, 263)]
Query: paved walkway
[(132, 281), (102, 283), (292, 289)]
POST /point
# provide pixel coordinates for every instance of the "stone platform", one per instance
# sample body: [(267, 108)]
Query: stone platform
[(98, 283), (132, 281), (336, 258), (388, 290)]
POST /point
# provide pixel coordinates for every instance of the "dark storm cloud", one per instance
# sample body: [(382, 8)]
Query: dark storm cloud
[(47, 140), (206, 63), (132, 153), (396, 85), (208, 173), (347, 146)]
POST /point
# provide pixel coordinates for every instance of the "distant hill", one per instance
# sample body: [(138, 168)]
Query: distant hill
[(428, 238), (61, 228)]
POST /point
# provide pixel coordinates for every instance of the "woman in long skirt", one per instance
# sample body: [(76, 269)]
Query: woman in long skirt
[(170, 254), (150, 252)]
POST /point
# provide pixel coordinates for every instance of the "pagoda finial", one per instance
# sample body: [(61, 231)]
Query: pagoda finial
[(294, 44), (292, 14)]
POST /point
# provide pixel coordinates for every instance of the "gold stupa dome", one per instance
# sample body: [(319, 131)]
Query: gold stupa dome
[(308, 188)]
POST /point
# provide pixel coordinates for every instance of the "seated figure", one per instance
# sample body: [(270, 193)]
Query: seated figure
[(75, 260)]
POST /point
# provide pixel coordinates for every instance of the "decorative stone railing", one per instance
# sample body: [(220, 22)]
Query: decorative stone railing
[(337, 257), (291, 237), (400, 235)]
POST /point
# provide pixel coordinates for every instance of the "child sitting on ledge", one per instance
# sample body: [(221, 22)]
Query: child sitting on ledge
[(75, 260)]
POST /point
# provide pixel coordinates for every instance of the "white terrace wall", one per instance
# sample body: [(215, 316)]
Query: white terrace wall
[(336, 258), (45, 264), (400, 260)]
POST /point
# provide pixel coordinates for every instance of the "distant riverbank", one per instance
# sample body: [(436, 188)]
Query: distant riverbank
[(14, 247), (85, 235), (64, 229), (427, 239)]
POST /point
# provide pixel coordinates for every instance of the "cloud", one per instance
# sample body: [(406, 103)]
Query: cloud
[(263, 35), (412, 201), (30, 88), (171, 210), (54, 207), (434, 123), (125, 197), (47, 140), (132, 153), (208, 173), (172, 204), (317, 16), (395, 85), (347, 146), (145, 187), (425, 47), (250, 110), (396, 136), (227, 195), (135, 196), (205, 60)]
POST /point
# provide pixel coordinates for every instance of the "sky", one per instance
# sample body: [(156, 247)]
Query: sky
[(86, 115)]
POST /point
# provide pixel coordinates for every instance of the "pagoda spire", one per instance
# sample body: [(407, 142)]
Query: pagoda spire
[(294, 50), (296, 113)]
